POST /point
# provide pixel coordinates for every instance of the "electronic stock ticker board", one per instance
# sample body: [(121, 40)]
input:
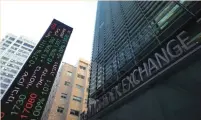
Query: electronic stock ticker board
[(27, 96)]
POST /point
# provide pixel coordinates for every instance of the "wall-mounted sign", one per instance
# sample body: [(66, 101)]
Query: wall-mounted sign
[(28, 94), (142, 74)]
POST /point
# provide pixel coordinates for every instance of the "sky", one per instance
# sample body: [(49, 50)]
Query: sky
[(32, 18)]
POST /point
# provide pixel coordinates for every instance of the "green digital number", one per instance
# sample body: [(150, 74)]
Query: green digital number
[(52, 40), (49, 60), (66, 37)]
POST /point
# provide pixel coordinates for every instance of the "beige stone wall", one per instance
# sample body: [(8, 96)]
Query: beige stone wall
[(62, 88), (79, 106), (71, 90)]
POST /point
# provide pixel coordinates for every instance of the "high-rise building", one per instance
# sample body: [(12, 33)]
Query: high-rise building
[(143, 61), (14, 51), (69, 93)]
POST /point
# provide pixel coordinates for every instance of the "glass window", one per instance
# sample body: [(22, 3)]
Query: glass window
[(69, 73), (108, 71), (6, 80), (13, 71), (82, 67), (4, 85), (76, 98), (128, 53), (26, 49), (9, 75), (185, 2), (170, 12), (3, 48), (100, 76), (164, 11), (28, 45), (67, 83), (14, 66), (60, 109), (5, 45), (19, 63), (2, 91), (11, 51), (74, 112), (10, 65), (79, 86), (8, 42), (121, 58), (11, 38), (2, 62), (9, 70), (2, 73), (5, 58), (80, 76), (19, 41), (16, 45), (5, 68), (87, 90), (16, 62), (63, 95), (14, 48), (85, 101), (25, 56), (114, 64)]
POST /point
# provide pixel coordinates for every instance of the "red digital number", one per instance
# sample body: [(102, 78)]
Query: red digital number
[(33, 95), (29, 104), (25, 110), (53, 26), (2, 114), (23, 116)]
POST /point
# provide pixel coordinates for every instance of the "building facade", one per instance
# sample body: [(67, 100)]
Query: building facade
[(14, 51), (145, 61), (69, 93)]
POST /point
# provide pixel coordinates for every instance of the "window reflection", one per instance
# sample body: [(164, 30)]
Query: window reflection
[(168, 14)]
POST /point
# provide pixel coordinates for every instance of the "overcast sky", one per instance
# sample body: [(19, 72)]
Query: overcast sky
[(32, 18)]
